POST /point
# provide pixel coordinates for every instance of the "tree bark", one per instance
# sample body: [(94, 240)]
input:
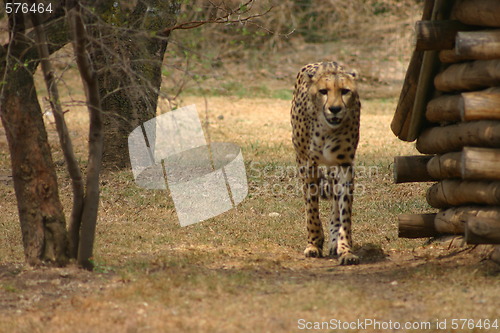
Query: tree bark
[(91, 200), (128, 66), (41, 214), (64, 137)]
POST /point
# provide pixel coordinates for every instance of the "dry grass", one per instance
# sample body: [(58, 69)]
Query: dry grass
[(244, 270)]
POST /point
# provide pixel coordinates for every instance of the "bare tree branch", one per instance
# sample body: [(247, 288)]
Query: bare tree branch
[(63, 133), (225, 19), (91, 201)]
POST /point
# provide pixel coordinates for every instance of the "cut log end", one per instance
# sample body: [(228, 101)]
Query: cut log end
[(411, 169), (480, 230), (417, 226)]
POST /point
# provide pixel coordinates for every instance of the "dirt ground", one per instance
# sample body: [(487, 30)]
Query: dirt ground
[(386, 288)]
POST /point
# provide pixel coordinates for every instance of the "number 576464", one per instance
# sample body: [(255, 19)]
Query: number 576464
[(25, 8)]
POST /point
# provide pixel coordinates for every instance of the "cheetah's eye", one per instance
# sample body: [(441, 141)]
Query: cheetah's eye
[(344, 91), (323, 91)]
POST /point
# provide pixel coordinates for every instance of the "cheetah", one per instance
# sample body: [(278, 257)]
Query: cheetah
[(325, 133)]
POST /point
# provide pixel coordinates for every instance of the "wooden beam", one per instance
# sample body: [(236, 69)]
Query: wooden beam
[(479, 105), (440, 140), (445, 166), (450, 221), (472, 163), (450, 57), (469, 76), (446, 108), (481, 230), (453, 220), (411, 169), (480, 163), (430, 66), (478, 12), (495, 254), (469, 106), (478, 45), (448, 193), (416, 226), (437, 35), (402, 117)]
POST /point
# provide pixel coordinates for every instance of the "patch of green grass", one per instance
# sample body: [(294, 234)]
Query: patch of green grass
[(9, 288), (233, 88), (285, 94), (101, 267)]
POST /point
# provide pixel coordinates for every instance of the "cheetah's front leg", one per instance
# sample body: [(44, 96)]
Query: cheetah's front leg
[(315, 236), (340, 221)]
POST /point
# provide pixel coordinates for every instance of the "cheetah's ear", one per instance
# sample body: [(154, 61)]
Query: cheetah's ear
[(310, 72), (354, 73)]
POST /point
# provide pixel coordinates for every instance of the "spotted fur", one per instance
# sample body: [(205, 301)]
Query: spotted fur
[(325, 122)]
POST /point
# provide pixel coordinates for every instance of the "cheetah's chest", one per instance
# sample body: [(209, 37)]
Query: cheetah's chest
[(334, 148)]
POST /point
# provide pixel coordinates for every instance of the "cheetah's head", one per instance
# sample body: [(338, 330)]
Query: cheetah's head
[(334, 95)]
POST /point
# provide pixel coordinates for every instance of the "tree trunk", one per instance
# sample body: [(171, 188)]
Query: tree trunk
[(91, 200), (129, 76), (63, 134), (41, 214)]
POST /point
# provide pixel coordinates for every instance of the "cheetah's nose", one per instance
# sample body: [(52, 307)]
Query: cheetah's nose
[(334, 109)]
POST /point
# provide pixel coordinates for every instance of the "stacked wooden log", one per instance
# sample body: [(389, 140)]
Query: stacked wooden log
[(450, 103)]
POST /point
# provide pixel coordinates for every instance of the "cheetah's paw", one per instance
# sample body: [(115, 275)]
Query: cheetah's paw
[(348, 259), (312, 251)]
